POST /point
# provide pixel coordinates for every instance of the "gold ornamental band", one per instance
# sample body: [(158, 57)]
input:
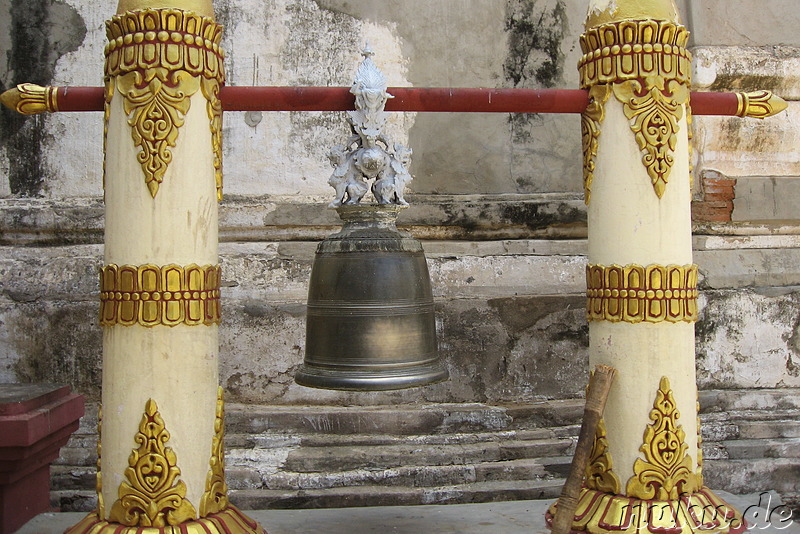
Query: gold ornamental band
[(634, 49), (635, 294), (152, 295), (168, 38)]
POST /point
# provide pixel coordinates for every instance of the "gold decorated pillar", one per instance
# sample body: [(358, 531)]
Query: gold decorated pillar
[(161, 453), (646, 470)]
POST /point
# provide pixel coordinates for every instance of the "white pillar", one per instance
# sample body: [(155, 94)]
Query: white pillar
[(161, 454), (646, 469)]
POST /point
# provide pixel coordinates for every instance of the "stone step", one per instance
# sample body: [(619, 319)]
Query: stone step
[(257, 474), (277, 440), (751, 424), (725, 400), (531, 469), (396, 496), (321, 459), (741, 449), (741, 476), (395, 420)]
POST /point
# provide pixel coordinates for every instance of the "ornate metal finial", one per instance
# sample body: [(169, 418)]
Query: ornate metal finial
[(30, 99), (369, 154), (760, 104)]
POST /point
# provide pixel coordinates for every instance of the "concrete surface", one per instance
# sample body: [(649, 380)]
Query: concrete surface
[(496, 518)]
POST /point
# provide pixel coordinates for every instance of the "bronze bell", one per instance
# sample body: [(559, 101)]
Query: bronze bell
[(370, 323)]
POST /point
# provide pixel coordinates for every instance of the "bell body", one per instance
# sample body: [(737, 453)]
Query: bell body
[(370, 321)]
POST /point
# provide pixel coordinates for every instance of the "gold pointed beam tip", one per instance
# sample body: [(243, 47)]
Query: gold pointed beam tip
[(11, 98), (30, 99), (760, 104)]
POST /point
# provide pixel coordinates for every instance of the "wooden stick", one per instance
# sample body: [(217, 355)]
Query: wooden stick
[(596, 396)]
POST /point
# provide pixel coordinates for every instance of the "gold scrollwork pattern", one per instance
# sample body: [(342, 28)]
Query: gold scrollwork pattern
[(635, 294), (151, 295), (215, 497), (591, 119), (600, 513), (151, 494), (159, 57), (667, 471), (229, 521), (647, 64), (210, 88), (635, 50), (599, 473), (654, 108)]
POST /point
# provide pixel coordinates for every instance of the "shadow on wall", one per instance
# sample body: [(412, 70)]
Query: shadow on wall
[(39, 33)]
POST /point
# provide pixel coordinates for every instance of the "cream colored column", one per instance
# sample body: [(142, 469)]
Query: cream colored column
[(161, 453), (641, 281)]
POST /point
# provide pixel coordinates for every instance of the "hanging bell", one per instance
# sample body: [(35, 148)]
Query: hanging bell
[(370, 322)]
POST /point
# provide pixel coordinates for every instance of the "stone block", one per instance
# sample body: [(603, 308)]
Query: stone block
[(35, 422)]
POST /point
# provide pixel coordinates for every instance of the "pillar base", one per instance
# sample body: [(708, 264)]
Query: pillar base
[(600, 513), (228, 521)]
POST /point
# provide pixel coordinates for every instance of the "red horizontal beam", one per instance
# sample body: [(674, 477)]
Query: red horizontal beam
[(454, 100)]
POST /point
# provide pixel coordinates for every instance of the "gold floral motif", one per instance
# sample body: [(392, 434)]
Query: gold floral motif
[(599, 474), (210, 88), (156, 103), (101, 507), (229, 521), (150, 295), (159, 57), (760, 104), (654, 109), (168, 38), (599, 512), (30, 99), (215, 497), (635, 294), (591, 119), (666, 472), (635, 50), (108, 95), (152, 495), (649, 68)]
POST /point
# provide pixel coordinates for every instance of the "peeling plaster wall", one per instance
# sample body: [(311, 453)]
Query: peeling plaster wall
[(497, 198)]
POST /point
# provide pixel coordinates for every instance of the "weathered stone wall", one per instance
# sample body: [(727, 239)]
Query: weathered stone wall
[(497, 198)]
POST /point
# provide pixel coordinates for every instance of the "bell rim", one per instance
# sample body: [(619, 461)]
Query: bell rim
[(310, 375)]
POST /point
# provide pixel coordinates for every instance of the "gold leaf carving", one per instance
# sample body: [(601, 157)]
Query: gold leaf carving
[(151, 494), (654, 109), (156, 104), (634, 293), (591, 119), (215, 497), (601, 513), (229, 521), (159, 57), (152, 295), (667, 471), (108, 93), (211, 87), (599, 473), (635, 50)]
